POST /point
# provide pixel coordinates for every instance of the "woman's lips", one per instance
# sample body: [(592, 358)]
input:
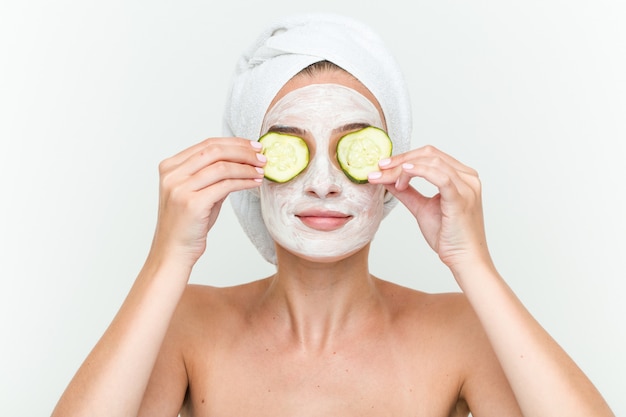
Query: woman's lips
[(324, 220)]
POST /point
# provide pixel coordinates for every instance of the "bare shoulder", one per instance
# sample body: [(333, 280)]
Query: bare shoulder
[(202, 314), (444, 310), (445, 329), (442, 326), (205, 305), (206, 313)]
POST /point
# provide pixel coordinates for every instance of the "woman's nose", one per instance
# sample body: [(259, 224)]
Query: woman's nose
[(322, 179)]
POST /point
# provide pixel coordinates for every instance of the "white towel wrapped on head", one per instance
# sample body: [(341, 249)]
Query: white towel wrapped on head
[(282, 50)]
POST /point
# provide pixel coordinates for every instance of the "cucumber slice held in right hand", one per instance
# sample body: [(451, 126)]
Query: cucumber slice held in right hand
[(358, 152), (287, 156)]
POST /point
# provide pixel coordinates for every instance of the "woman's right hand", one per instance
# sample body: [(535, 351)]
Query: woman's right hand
[(193, 185)]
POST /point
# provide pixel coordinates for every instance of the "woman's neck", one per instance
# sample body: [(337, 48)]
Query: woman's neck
[(318, 302)]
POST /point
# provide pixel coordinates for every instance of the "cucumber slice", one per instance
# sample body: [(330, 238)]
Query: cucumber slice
[(358, 152), (287, 156)]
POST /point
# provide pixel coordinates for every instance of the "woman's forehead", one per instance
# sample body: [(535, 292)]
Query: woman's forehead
[(338, 77), (323, 98), (323, 105)]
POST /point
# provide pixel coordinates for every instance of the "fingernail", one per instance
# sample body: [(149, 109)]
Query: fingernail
[(384, 162), (406, 165), (256, 145), (259, 170), (261, 157), (374, 175)]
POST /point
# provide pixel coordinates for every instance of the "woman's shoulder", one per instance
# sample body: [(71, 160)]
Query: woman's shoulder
[(411, 297), (442, 324), (209, 296), (204, 305), (446, 310)]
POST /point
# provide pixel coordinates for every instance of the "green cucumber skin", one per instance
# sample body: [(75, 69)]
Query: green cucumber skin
[(297, 150), (377, 137)]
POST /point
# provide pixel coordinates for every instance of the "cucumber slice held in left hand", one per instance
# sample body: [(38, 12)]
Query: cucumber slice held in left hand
[(358, 152), (287, 156)]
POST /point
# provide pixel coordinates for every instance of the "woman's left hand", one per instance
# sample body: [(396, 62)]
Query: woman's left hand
[(451, 220)]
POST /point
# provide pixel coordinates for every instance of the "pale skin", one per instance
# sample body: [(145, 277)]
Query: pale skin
[(323, 338)]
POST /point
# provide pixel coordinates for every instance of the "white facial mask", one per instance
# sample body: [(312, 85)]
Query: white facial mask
[(321, 214)]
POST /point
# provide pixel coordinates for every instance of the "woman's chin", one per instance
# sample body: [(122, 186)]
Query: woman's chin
[(321, 254)]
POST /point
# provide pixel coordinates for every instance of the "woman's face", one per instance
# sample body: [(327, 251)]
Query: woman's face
[(321, 215)]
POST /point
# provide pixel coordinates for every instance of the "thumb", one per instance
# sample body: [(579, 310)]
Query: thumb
[(410, 197)]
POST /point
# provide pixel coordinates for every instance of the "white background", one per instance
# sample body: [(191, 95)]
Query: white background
[(94, 94)]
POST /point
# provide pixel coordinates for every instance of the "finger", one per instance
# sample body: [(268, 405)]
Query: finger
[(221, 153), (204, 149), (428, 152), (452, 184), (432, 170), (410, 197), (186, 153), (221, 171), (227, 155), (221, 189), (436, 170)]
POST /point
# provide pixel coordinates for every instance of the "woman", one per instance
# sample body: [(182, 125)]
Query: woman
[(321, 336)]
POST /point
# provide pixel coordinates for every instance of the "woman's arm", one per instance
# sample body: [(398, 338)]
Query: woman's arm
[(193, 184), (545, 381), (112, 379)]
